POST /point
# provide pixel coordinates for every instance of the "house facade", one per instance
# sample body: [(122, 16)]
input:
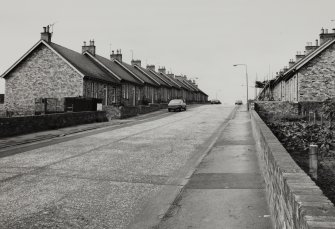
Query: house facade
[(51, 71), (311, 77), (48, 70)]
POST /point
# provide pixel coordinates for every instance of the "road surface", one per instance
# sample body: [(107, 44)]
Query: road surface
[(116, 178)]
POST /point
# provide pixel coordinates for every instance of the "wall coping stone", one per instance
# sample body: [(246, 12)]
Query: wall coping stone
[(295, 200)]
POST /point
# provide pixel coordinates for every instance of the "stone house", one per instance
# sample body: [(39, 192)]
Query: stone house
[(164, 92), (311, 77), (49, 70), (175, 86), (150, 93), (131, 84)]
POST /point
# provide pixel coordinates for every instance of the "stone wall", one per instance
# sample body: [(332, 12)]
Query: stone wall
[(127, 112), (29, 124), (294, 199), (121, 112), (112, 112), (316, 79), (43, 74), (273, 109), (142, 109)]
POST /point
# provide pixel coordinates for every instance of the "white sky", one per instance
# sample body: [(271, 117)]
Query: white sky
[(199, 38)]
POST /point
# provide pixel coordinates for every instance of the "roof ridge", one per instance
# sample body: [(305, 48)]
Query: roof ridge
[(104, 66), (121, 65), (153, 72), (140, 69)]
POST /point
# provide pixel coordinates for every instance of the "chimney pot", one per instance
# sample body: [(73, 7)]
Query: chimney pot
[(316, 42), (90, 48), (322, 30), (46, 35), (116, 56)]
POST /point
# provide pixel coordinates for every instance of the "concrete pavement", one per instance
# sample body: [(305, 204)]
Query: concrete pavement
[(106, 179), (227, 190)]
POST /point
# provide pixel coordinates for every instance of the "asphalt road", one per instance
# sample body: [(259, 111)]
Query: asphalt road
[(115, 178)]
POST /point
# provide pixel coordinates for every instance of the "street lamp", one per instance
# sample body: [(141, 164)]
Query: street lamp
[(246, 76)]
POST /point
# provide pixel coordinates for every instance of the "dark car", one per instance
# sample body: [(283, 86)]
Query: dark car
[(176, 105), (238, 102), (215, 101)]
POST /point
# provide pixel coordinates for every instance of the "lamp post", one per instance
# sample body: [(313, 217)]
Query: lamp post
[(246, 76)]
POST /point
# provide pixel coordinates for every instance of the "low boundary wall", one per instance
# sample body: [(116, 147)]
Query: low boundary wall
[(29, 124), (295, 201)]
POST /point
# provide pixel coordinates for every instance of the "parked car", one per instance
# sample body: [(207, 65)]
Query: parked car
[(215, 101), (176, 105), (238, 102)]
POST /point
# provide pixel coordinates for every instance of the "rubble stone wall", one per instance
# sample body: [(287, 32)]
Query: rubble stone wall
[(294, 199), (272, 109), (42, 74), (317, 78)]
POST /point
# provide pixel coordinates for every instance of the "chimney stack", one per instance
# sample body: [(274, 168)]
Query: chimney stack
[(136, 62), (117, 56), (46, 35), (162, 70), (310, 47), (171, 75), (89, 48), (325, 36), (151, 67), (299, 56), (291, 63)]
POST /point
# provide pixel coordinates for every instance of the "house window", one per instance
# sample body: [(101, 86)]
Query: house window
[(125, 91), (92, 89), (106, 94), (113, 95), (139, 94)]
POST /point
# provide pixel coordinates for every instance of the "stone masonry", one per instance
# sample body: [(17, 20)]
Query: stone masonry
[(317, 78), (295, 201), (43, 74)]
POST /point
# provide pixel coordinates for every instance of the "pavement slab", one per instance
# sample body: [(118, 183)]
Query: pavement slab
[(227, 189)]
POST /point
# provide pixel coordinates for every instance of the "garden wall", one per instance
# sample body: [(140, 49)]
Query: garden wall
[(278, 109), (29, 124), (294, 199), (270, 109)]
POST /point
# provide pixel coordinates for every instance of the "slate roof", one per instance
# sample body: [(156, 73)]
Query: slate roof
[(174, 84), (166, 81), (154, 76), (84, 64), (305, 60), (118, 70), (140, 74), (188, 87)]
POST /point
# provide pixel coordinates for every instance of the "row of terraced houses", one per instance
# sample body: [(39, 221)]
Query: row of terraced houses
[(49, 70), (310, 77)]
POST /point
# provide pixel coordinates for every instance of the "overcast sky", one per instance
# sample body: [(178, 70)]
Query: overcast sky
[(198, 38)]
